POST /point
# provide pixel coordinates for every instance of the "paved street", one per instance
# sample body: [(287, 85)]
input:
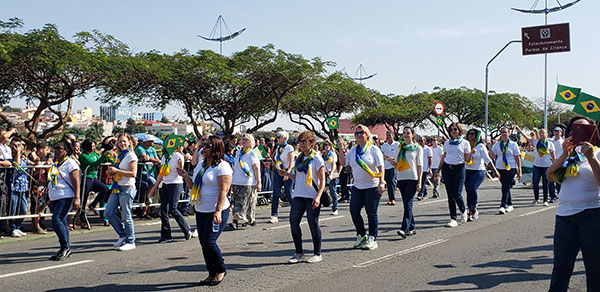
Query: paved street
[(511, 252)]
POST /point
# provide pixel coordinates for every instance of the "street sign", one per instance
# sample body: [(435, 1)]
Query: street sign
[(333, 123), (545, 39), (439, 108)]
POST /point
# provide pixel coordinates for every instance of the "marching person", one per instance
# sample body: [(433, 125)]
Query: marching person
[(390, 151), (475, 171), (366, 161), (557, 140), (309, 175), (245, 184), (283, 157), (427, 160), (541, 162), (436, 158), (507, 155), (332, 173)]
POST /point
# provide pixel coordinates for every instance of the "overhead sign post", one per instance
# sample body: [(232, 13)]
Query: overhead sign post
[(545, 39)]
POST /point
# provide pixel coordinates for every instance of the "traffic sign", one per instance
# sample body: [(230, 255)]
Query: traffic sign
[(545, 39), (439, 108)]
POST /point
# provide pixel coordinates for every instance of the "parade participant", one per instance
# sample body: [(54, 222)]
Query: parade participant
[(366, 161), (245, 184), (436, 158), (284, 158), (507, 155), (456, 152), (309, 175), (89, 161), (409, 164), (390, 151), (123, 192), (63, 191), (332, 173), (557, 140), (427, 160), (543, 159), (211, 182), (578, 212), (475, 171)]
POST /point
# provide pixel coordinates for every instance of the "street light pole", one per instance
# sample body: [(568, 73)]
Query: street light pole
[(486, 85)]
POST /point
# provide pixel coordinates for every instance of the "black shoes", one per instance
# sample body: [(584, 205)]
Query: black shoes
[(210, 281), (402, 233), (61, 255)]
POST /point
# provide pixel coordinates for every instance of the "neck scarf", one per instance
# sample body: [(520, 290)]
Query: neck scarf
[(117, 178), (569, 169), (230, 159), (303, 165), (165, 168), (195, 192), (53, 173), (504, 148), (328, 157), (455, 141), (402, 163), (279, 161), (542, 147), (362, 164), (242, 166)]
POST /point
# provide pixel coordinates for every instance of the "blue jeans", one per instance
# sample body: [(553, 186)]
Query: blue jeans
[(423, 191), (60, 208), (571, 234), (169, 196), (265, 176), (537, 173), (332, 184), (123, 226), (454, 178), (299, 206), (278, 182), (554, 189), (18, 201), (368, 198), (506, 178), (408, 190), (208, 240), (473, 179), (390, 181), (344, 185)]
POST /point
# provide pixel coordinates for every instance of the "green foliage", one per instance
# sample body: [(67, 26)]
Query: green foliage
[(95, 132)]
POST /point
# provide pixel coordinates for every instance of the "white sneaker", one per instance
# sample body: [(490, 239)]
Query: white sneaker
[(371, 243), (509, 208), (127, 247), (15, 233), (452, 223), (273, 220), (296, 258), (195, 233), (464, 216), (535, 202), (21, 232), (335, 213), (360, 241), (545, 204), (501, 211), (315, 259), (119, 242)]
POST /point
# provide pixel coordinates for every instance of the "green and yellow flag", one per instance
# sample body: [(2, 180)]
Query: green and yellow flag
[(566, 94), (537, 122), (172, 142), (333, 123), (492, 126), (588, 106), (439, 121)]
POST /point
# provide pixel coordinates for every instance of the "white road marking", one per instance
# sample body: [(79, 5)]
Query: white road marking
[(431, 202), (153, 223), (45, 269), (320, 220), (403, 252), (537, 211)]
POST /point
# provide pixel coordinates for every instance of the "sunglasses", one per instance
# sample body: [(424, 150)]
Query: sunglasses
[(359, 133), (207, 146), (59, 148), (279, 137), (471, 134), (303, 141)]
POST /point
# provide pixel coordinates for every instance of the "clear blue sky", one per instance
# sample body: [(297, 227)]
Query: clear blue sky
[(412, 45)]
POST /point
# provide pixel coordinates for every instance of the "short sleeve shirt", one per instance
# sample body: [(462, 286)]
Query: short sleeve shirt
[(373, 158), (480, 158), (301, 190), (390, 150), (19, 180), (209, 192), (455, 154), (284, 156), (545, 160), (250, 159), (511, 152), (124, 165), (414, 158), (173, 177), (64, 183), (426, 154)]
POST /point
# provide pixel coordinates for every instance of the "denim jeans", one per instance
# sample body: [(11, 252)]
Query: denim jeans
[(408, 189), (332, 185), (369, 199), (554, 189), (537, 173), (123, 226), (423, 191), (571, 234), (265, 176), (506, 178), (169, 196), (473, 179), (92, 184), (60, 208), (390, 181), (208, 240), (278, 182), (18, 201), (454, 178), (299, 207), (344, 185), (436, 184)]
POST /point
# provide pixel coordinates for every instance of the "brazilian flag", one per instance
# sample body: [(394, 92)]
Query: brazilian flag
[(537, 122), (439, 121), (588, 106), (493, 126), (566, 94), (172, 142)]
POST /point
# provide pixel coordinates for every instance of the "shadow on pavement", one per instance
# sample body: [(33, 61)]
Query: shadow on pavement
[(131, 287)]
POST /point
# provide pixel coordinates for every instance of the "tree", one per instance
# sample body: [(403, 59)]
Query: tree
[(117, 130), (95, 132)]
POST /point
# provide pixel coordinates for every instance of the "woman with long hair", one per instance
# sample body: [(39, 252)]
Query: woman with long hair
[(89, 161), (507, 155), (475, 171)]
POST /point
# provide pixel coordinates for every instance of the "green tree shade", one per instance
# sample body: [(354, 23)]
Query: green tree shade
[(95, 132)]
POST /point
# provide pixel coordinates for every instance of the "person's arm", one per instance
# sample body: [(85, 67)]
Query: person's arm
[(529, 140), (588, 151), (420, 177), (256, 168), (186, 177), (224, 182), (429, 162), (519, 170), (7, 134), (560, 161), (317, 199), (75, 179), (195, 158), (381, 185), (291, 157)]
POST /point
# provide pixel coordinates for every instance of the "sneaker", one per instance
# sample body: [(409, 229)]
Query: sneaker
[(475, 215), (335, 213), (419, 198), (545, 204), (119, 242), (195, 233), (535, 202), (509, 208), (127, 247), (464, 216), (360, 241), (188, 236), (21, 232), (15, 233), (296, 258), (551, 201), (501, 211), (315, 259), (401, 233), (452, 223), (412, 232), (273, 219), (371, 243)]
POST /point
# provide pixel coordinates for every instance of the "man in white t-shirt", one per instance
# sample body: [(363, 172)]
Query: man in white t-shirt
[(390, 151), (427, 162), (558, 141), (436, 157)]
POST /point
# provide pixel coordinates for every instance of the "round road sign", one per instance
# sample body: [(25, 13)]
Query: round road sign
[(439, 108)]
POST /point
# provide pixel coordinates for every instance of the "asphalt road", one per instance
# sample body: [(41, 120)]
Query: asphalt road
[(511, 252)]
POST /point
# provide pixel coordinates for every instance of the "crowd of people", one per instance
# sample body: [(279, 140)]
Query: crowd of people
[(222, 179)]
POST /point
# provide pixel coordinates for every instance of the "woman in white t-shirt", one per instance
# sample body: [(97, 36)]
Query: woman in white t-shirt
[(63, 191), (366, 162), (209, 187), (332, 173), (309, 175), (245, 184), (544, 157), (283, 158), (475, 171), (123, 192), (170, 192), (507, 155), (578, 212), (409, 167)]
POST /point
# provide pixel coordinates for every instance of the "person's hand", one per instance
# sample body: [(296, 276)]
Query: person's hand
[(519, 174), (381, 187), (568, 145), (188, 157), (285, 177), (316, 202), (111, 170), (418, 186), (217, 217), (587, 149), (258, 187), (76, 205), (181, 172), (497, 174)]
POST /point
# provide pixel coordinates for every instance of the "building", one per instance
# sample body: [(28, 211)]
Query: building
[(153, 116), (168, 128), (114, 113)]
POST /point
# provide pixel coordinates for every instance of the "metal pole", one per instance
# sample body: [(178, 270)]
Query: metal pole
[(546, 76)]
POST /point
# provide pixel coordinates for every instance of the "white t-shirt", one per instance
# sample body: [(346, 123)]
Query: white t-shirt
[(581, 192), (330, 166), (480, 158), (173, 177), (239, 176), (209, 192), (544, 161), (63, 187), (414, 158), (301, 190), (437, 156), (127, 181), (5, 152), (558, 147), (373, 158), (284, 156), (455, 154), (390, 150), (426, 154), (511, 152)]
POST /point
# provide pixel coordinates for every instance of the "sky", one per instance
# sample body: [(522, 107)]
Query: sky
[(413, 46)]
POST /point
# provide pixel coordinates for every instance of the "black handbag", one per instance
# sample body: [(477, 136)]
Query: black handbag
[(326, 199)]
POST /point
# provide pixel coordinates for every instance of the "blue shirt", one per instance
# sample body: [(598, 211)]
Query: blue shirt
[(19, 180)]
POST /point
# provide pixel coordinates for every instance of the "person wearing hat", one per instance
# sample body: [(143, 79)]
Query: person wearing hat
[(146, 153), (558, 141)]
